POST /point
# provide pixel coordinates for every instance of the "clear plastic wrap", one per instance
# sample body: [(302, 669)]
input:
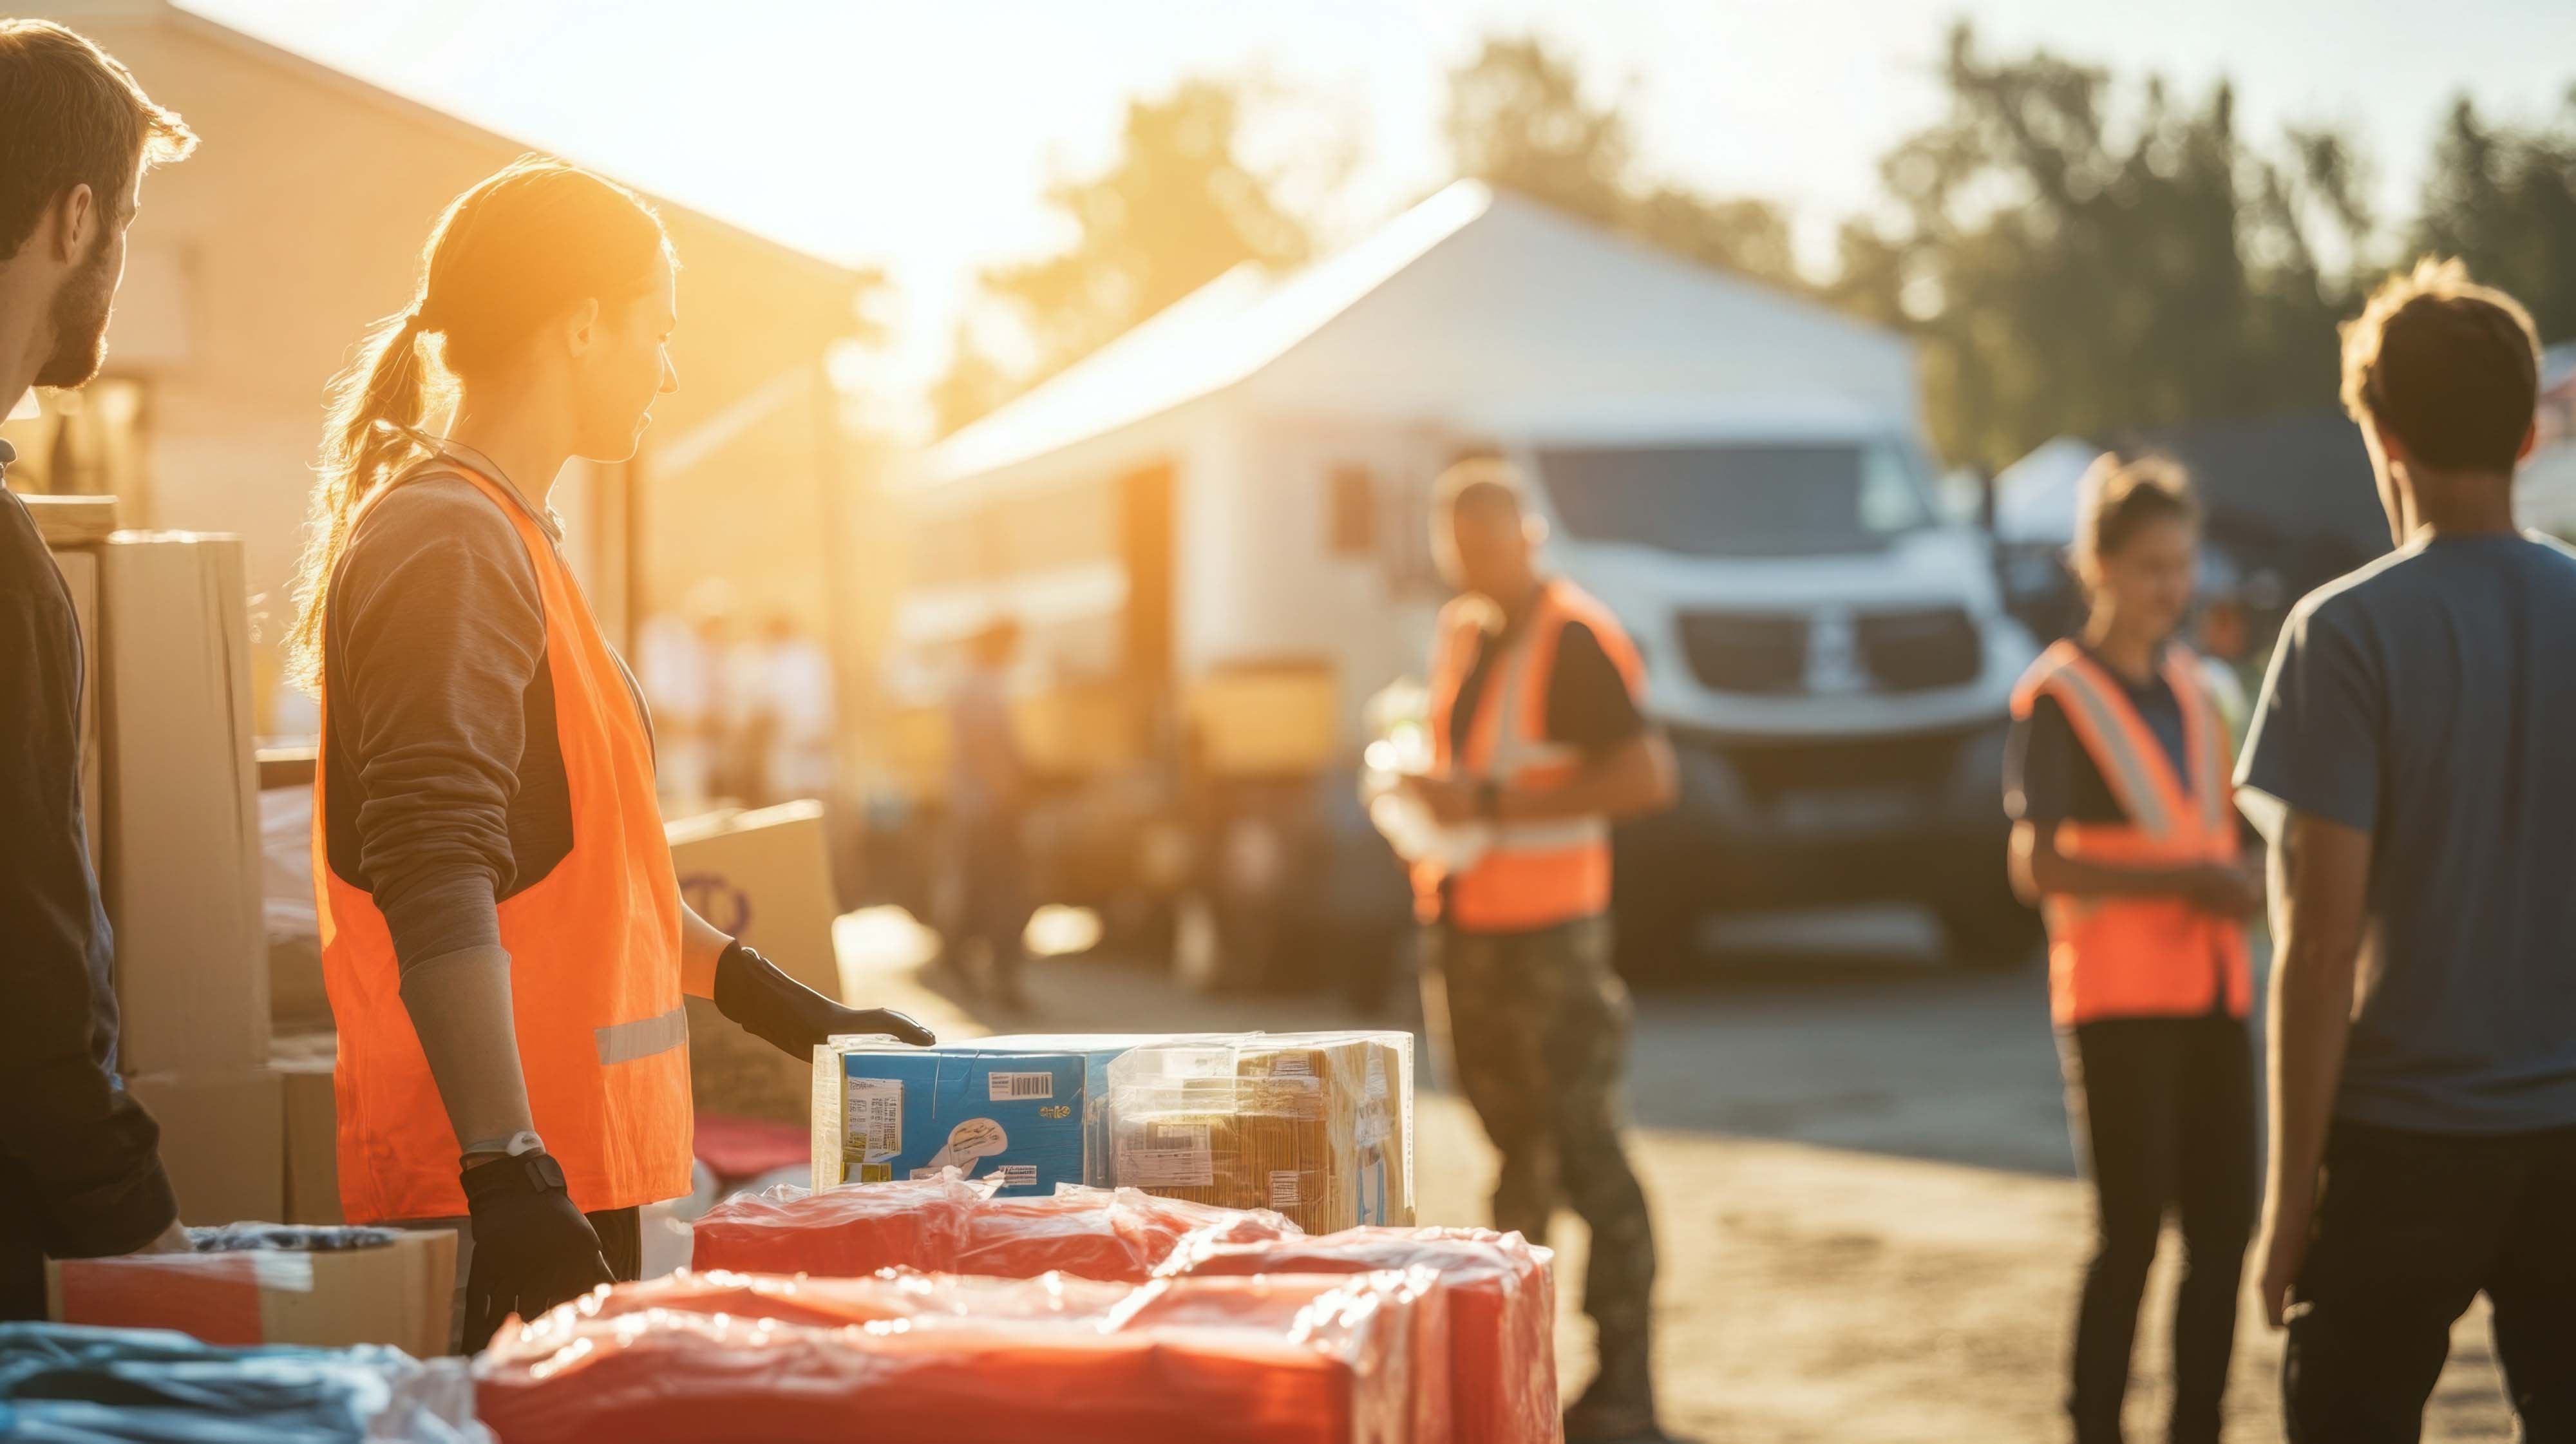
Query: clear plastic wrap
[(1501, 1294), (1318, 1126), (958, 1226), (917, 1359)]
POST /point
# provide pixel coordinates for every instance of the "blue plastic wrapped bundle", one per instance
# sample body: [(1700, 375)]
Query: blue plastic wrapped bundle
[(66, 1384), (288, 1237)]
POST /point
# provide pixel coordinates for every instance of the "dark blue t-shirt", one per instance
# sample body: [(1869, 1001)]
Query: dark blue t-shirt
[(2429, 699)]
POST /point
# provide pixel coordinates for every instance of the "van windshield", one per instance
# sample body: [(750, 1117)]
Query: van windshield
[(1777, 499)]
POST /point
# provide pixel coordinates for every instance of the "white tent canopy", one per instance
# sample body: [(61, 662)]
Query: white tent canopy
[(1472, 305), (2036, 498)]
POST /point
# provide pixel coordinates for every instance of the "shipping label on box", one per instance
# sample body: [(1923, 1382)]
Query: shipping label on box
[(1011, 1109), (399, 1292)]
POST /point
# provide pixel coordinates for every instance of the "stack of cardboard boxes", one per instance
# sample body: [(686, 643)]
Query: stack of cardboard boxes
[(170, 781), (247, 1120)]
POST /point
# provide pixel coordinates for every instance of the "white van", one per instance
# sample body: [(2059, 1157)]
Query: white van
[(1829, 653)]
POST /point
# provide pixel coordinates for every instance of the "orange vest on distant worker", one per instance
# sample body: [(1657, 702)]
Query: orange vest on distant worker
[(1535, 874), (2125, 957), (594, 964)]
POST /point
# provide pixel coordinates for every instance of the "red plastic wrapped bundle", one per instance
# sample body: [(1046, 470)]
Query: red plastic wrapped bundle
[(921, 1359), (1502, 1311), (949, 1225)]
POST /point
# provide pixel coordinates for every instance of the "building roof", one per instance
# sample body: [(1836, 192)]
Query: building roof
[(1476, 308), (163, 12)]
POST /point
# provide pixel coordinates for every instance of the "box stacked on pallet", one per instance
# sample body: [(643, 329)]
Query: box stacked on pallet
[(1284, 1360)]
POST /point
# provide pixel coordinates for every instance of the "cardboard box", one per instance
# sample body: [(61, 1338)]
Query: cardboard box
[(80, 577), (764, 877), (223, 1141), (78, 520), (305, 1067), (181, 867), (1016, 1108), (400, 1293), (1317, 1126)]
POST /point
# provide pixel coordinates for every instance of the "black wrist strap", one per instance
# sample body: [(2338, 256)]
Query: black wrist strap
[(519, 1173)]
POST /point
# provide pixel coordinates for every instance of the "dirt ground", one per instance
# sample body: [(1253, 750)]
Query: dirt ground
[(1808, 1291)]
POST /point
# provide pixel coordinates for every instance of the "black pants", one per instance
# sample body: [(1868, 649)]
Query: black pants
[(2163, 1110), (2409, 1228)]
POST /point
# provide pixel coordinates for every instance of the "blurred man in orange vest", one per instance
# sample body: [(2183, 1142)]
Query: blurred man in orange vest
[(1539, 744)]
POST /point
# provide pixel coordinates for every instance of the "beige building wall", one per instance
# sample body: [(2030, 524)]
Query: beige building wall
[(259, 263)]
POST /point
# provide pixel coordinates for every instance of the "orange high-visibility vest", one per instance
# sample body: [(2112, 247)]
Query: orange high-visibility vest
[(2126, 957), (594, 964), (1535, 874)]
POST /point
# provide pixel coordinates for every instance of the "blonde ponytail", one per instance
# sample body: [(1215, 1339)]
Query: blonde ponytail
[(389, 382)]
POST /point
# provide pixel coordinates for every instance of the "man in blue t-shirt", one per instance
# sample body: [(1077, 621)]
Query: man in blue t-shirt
[(2413, 760)]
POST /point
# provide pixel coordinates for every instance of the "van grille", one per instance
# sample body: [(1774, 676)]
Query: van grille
[(1916, 651), (1751, 653), (1744, 652)]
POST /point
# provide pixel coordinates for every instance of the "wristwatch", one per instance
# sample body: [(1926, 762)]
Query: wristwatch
[(517, 1145)]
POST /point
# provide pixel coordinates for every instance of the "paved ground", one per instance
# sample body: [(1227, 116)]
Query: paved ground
[(1866, 1200)]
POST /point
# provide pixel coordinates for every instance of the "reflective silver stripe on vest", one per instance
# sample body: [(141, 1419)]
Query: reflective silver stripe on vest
[(2208, 736), (644, 1037), (1515, 751), (2124, 769)]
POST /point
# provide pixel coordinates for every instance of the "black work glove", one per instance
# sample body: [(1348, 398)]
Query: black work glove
[(532, 1247), (792, 1017)]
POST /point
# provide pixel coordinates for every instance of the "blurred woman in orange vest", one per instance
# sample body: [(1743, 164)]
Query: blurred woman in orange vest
[(2125, 831), (502, 936)]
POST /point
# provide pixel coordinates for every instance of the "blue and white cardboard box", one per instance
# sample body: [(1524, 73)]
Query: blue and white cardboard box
[(1012, 1108)]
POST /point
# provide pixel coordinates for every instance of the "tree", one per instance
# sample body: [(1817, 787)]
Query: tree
[(2503, 199), (1518, 119), (2075, 271), (1178, 207)]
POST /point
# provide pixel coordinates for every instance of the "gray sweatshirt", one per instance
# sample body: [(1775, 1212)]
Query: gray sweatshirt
[(445, 791)]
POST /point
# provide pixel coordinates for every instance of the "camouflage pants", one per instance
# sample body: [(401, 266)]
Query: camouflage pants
[(1537, 1033)]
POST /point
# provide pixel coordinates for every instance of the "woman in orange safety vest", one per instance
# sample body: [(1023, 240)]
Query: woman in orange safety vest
[(502, 937), (2125, 831)]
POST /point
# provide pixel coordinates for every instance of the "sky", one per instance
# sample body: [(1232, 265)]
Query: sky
[(918, 136)]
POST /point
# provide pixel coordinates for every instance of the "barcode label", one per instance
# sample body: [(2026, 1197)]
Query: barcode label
[(1170, 1155), (1283, 1190), (1291, 1065), (1017, 1175), (1007, 1087), (872, 1117)]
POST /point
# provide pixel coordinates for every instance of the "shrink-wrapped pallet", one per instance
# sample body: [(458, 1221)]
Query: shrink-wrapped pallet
[(1502, 1310), (929, 1359), (958, 1226), (1316, 1126)]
